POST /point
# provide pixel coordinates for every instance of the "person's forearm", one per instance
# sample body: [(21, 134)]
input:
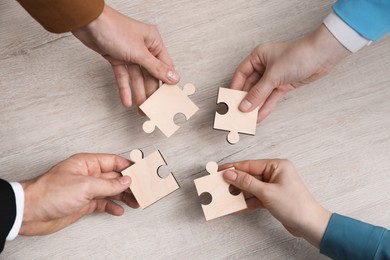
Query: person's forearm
[(327, 47), (8, 209), (370, 19), (313, 224), (63, 15), (347, 238)]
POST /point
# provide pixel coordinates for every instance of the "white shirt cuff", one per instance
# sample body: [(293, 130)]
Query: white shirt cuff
[(19, 199), (346, 35)]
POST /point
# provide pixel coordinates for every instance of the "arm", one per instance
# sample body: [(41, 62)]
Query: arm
[(276, 186), (75, 187), (8, 211), (347, 238), (61, 16), (272, 69), (138, 56), (370, 18)]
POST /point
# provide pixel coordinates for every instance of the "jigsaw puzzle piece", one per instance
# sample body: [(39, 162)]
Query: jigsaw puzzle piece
[(146, 184), (164, 104), (234, 120), (223, 202)]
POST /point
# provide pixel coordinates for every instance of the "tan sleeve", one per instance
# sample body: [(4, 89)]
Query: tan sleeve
[(60, 16)]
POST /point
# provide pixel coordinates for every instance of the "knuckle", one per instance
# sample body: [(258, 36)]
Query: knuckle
[(246, 181), (261, 48), (255, 93), (283, 165), (85, 186), (286, 163), (137, 57), (153, 28), (78, 156)]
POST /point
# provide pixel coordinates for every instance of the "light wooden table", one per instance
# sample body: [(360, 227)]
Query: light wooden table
[(59, 98)]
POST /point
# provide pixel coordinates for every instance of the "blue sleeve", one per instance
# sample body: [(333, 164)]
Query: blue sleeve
[(370, 18), (347, 238)]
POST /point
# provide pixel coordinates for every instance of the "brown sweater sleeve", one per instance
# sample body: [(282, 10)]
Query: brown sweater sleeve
[(60, 16)]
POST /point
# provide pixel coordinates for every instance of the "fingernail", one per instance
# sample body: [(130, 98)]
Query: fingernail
[(245, 105), (172, 75), (124, 180), (230, 175)]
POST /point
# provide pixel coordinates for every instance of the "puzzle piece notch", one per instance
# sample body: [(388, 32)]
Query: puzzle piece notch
[(223, 202), (164, 104), (147, 186), (136, 155), (234, 120)]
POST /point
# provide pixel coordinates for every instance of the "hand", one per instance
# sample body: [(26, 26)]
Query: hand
[(77, 186), (273, 69), (135, 50), (276, 186)]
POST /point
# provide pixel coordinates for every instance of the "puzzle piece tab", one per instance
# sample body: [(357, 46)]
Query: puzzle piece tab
[(146, 185), (234, 120), (164, 104), (223, 202)]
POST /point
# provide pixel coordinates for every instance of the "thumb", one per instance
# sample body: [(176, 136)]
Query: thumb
[(99, 187), (257, 94), (158, 69), (244, 181)]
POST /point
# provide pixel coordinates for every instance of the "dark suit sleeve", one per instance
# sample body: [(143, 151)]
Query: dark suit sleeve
[(7, 211)]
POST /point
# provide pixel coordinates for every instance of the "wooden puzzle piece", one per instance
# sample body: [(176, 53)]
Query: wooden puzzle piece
[(223, 202), (164, 104), (146, 185), (234, 120)]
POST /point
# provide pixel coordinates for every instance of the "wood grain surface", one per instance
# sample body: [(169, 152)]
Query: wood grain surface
[(58, 98)]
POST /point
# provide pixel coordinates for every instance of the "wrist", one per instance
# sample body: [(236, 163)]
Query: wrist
[(314, 223), (94, 24), (324, 44), (28, 213)]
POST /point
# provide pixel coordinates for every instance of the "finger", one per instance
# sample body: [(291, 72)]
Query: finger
[(245, 166), (257, 94), (243, 71), (254, 203), (156, 47), (140, 112), (246, 68), (151, 83), (100, 188), (225, 166), (157, 68), (127, 198), (164, 56), (247, 195), (104, 162), (137, 83), (245, 182), (251, 81), (123, 83), (271, 102), (110, 175), (110, 207), (256, 168)]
